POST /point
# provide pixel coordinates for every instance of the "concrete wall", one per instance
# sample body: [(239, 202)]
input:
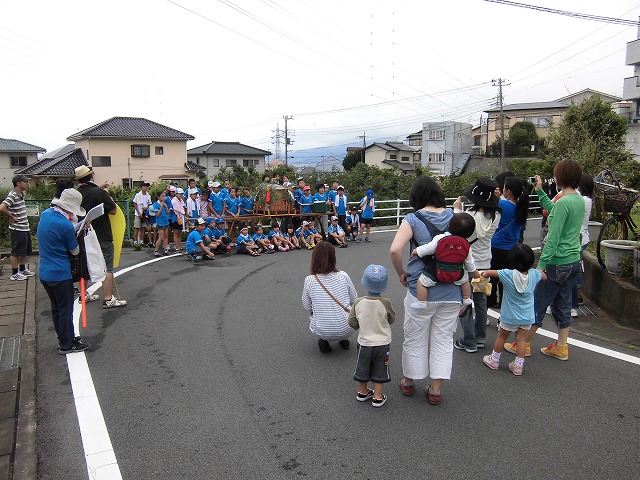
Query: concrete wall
[(7, 171)]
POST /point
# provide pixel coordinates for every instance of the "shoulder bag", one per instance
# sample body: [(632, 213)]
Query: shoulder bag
[(331, 295)]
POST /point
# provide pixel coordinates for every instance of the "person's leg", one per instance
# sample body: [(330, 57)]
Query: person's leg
[(136, 231), (107, 286), (480, 320), (520, 342), (499, 260), (467, 341), (440, 349), (415, 346), (493, 361)]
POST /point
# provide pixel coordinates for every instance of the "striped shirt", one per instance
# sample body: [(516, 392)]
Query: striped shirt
[(16, 206), (328, 319)]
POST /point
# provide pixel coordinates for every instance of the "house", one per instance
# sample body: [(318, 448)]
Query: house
[(14, 155), (542, 114), (446, 146), (127, 150), (329, 164), (60, 163), (216, 155), (392, 155), (631, 92)]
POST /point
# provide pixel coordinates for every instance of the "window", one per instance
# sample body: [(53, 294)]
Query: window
[(436, 134), (256, 162), (100, 161), (216, 162), (436, 157), (18, 161), (393, 157), (159, 150), (140, 151), (416, 142), (405, 159), (246, 163), (540, 121), (231, 162), (476, 140), (135, 184), (198, 160)]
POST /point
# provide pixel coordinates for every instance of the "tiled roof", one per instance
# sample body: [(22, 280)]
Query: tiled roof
[(130, 127), (404, 166), (393, 146), (529, 106), (226, 148), (10, 145), (62, 164), (193, 167)]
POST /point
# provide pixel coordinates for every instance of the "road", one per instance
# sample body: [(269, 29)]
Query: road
[(211, 372)]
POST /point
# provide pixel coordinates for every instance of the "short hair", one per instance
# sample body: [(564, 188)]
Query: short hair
[(501, 177), (586, 185), (319, 186), (266, 175), (274, 224), (425, 191), (567, 173), (462, 224), (192, 180), (85, 179), (323, 259), (62, 184), (521, 257)]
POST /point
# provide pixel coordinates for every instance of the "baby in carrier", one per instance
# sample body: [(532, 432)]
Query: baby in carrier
[(447, 259)]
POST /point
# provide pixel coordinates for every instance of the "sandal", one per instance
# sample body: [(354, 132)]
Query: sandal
[(407, 390)]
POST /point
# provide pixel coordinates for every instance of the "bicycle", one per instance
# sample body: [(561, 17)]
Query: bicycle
[(618, 201)]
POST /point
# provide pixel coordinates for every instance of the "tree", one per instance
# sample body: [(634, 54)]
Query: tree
[(352, 159), (522, 135), (592, 134)]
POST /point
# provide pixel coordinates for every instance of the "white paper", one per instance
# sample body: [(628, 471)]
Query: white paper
[(92, 214)]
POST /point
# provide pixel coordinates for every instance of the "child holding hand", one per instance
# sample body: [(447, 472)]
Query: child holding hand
[(517, 313)]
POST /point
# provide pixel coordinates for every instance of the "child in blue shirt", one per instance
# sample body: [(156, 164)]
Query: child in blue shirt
[(336, 233), (517, 313), (246, 244), (290, 235), (277, 238), (220, 234), (151, 220), (262, 241), (322, 196), (303, 235), (248, 202), (368, 206), (306, 201), (311, 230), (353, 223), (196, 249), (232, 203), (216, 200), (162, 223), (209, 237)]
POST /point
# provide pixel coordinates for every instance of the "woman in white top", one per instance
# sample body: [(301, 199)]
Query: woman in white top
[(487, 216), (586, 190), (328, 295)]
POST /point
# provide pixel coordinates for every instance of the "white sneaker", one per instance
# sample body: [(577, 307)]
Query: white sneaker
[(17, 276), (27, 273), (549, 310), (574, 312), (91, 297), (114, 302)]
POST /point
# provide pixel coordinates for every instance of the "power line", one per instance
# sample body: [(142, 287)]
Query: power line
[(583, 16)]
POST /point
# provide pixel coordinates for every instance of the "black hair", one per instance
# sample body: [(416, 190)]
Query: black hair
[(489, 212), (274, 224), (62, 184), (425, 191), (319, 186), (586, 185), (266, 175), (517, 187), (85, 179), (501, 177), (462, 224), (191, 180), (521, 257)]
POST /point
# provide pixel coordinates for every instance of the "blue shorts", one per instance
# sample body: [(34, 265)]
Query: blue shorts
[(372, 364)]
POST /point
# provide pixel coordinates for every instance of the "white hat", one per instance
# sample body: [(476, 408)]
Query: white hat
[(334, 218), (179, 191), (192, 191), (70, 200), (200, 221), (172, 188), (216, 184), (210, 183)]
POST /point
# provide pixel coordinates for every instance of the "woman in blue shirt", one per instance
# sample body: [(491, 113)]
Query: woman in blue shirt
[(514, 207)]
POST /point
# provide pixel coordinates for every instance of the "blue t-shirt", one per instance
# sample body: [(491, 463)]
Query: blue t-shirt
[(367, 211), (208, 232), (247, 204), (243, 238), (517, 308), (341, 204), (217, 202), (257, 237), (298, 231), (332, 195), (306, 203), (337, 229), (171, 215), (509, 229), (440, 292), (224, 192), (193, 240), (55, 237), (320, 197), (273, 233), (233, 204), (162, 217), (219, 232), (297, 194)]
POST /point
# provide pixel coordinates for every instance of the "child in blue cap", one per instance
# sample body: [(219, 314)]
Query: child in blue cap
[(373, 316), (368, 206)]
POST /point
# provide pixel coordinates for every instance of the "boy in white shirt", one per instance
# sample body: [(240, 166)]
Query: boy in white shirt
[(141, 202)]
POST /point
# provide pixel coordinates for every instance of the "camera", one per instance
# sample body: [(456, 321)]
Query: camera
[(464, 199), (532, 180)]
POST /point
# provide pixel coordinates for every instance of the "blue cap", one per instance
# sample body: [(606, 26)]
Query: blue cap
[(219, 220), (369, 193), (375, 278), (208, 220)]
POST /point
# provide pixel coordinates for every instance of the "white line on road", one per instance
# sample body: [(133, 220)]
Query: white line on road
[(98, 450)]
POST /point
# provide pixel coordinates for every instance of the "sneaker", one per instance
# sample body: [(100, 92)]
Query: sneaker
[(157, 254), (480, 344), (378, 402), (345, 344), (76, 347), (574, 312), (359, 240), (512, 348), (363, 397), (91, 297), (27, 273), (193, 258), (150, 245), (460, 346), (561, 352), (366, 239), (114, 302), (309, 247), (17, 276), (515, 369), (490, 362), (324, 346), (282, 249)]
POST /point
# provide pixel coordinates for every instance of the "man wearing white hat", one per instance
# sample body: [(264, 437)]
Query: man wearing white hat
[(92, 196), (56, 236)]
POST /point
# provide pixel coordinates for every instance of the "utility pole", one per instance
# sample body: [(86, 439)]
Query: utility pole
[(287, 140), (500, 82), (364, 144)]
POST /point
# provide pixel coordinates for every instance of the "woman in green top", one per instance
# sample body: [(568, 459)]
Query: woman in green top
[(560, 258)]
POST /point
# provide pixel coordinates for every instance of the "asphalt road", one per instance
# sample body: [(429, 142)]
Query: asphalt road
[(211, 372)]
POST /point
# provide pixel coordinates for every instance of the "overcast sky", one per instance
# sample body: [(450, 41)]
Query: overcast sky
[(228, 70)]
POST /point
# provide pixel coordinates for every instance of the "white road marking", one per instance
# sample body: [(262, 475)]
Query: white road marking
[(98, 451), (579, 343)]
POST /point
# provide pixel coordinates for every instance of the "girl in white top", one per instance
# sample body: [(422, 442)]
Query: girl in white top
[(586, 190)]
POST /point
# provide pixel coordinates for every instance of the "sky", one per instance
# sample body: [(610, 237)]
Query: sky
[(224, 70)]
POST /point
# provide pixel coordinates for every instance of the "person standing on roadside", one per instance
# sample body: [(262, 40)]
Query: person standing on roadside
[(141, 202), (92, 196), (15, 209)]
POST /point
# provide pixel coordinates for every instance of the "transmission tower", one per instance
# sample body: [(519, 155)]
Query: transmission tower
[(276, 140)]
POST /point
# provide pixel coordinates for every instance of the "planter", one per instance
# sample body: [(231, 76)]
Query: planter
[(594, 230), (616, 250), (636, 266)]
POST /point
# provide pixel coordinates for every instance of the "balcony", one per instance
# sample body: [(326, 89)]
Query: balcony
[(633, 53), (631, 88)]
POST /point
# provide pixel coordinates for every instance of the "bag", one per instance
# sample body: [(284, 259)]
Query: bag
[(331, 295), (79, 262), (180, 220), (451, 252), (95, 260)]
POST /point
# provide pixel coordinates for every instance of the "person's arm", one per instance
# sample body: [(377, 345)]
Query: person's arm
[(136, 205), (427, 248), (545, 201), (391, 313), (556, 227), (490, 274), (306, 295), (403, 235), (353, 321), (5, 211), (542, 274)]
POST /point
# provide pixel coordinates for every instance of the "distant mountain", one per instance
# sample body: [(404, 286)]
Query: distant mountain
[(312, 156)]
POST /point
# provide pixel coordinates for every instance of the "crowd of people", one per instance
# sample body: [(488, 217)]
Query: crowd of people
[(483, 243)]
